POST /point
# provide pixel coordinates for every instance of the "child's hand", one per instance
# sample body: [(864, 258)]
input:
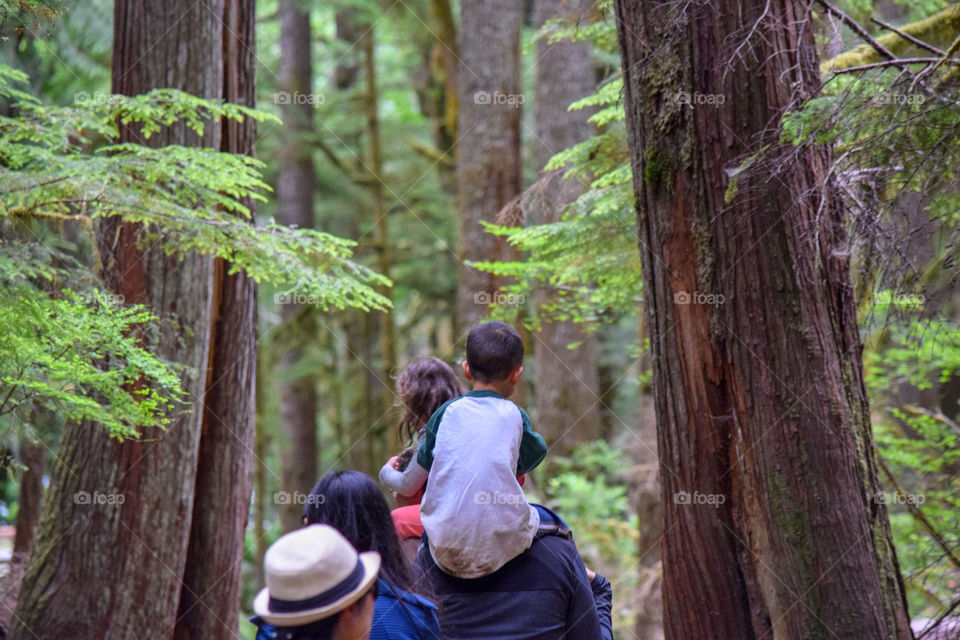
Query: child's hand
[(590, 574), (394, 462)]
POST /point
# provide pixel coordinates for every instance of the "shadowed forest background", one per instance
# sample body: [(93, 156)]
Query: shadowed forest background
[(227, 225)]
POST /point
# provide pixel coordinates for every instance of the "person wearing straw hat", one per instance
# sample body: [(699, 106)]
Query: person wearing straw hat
[(318, 587)]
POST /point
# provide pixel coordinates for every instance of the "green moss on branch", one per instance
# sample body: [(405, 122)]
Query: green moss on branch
[(939, 30)]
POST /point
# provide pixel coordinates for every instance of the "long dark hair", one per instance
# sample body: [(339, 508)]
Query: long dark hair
[(422, 387), (351, 503)]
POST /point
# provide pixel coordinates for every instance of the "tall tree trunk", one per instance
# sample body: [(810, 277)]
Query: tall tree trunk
[(349, 30), (112, 543), (444, 74), (445, 56), (210, 596), (488, 148), (295, 182), (645, 498), (364, 408), (771, 529), (382, 438), (361, 328), (567, 384), (260, 445), (436, 87), (33, 455)]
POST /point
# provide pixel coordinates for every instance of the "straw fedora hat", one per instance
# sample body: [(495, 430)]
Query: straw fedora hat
[(311, 574)]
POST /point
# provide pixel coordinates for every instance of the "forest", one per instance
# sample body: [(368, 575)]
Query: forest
[(727, 235)]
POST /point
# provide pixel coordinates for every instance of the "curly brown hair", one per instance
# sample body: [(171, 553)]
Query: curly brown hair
[(422, 387)]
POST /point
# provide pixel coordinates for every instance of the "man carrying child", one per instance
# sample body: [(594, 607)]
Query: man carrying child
[(474, 511)]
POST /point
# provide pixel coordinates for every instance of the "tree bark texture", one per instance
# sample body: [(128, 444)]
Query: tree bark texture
[(112, 542), (210, 596), (771, 526), (33, 456), (645, 498), (295, 185), (260, 445), (566, 384), (488, 145)]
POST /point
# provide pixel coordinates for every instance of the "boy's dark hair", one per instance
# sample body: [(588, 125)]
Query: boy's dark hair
[(423, 386), (494, 350)]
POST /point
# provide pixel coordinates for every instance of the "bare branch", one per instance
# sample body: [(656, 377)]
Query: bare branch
[(906, 36), (860, 31), (899, 62)]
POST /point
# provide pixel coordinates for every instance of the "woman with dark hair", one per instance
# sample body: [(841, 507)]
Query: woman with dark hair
[(352, 503)]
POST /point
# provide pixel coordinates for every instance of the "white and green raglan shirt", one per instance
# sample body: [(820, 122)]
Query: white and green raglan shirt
[(473, 510)]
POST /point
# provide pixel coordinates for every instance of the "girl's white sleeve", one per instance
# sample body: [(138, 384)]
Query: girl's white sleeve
[(406, 482)]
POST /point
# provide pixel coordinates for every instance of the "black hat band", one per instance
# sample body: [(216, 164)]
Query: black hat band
[(321, 600)]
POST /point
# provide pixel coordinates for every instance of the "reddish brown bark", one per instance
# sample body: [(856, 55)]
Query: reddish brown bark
[(33, 456), (768, 478), (210, 595), (113, 569)]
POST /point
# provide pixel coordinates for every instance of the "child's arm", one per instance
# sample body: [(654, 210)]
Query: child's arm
[(406, 482), (533, 448)]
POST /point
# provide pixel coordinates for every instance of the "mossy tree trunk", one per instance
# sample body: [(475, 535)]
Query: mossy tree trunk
[(210, 594), (768, 477), (436, 87), (382, 440), (112, 543), (939, 30)]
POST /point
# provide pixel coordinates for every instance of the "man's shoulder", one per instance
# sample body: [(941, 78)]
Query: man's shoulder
[(555, 541), (546, 565)]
